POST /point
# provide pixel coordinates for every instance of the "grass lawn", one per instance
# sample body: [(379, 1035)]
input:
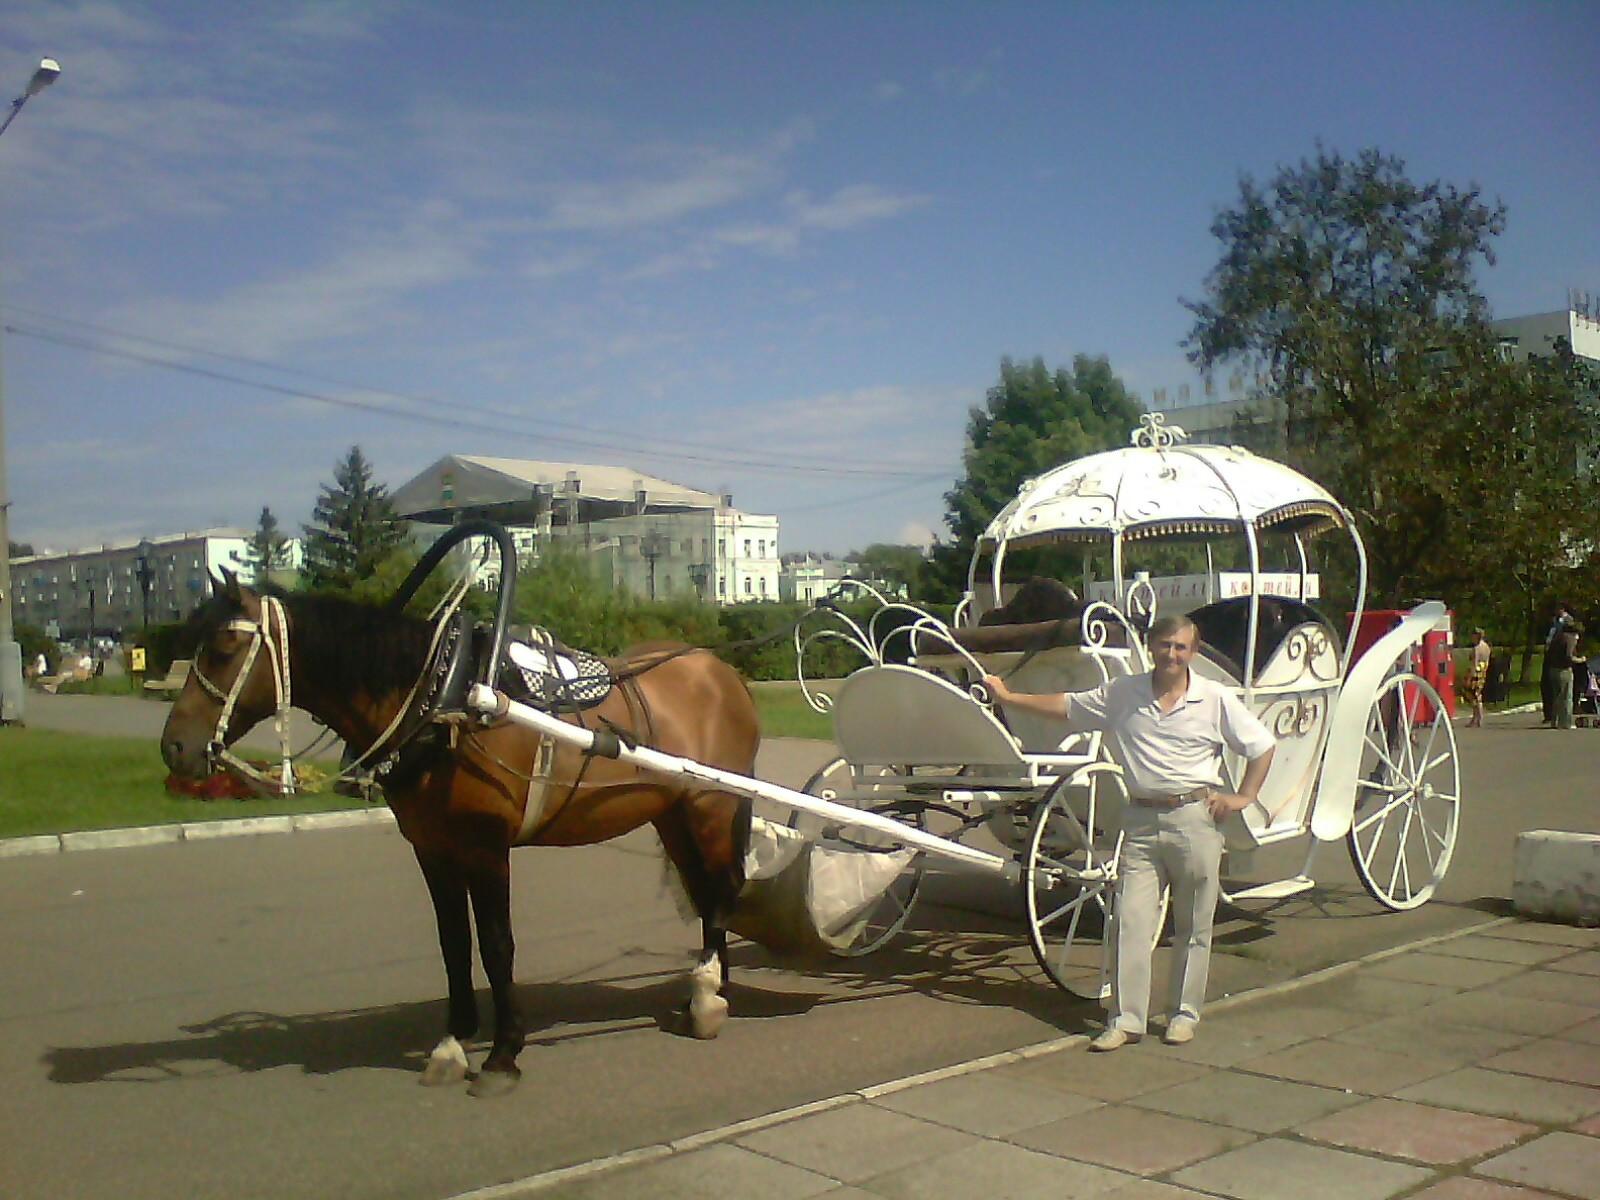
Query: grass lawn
[(63, 782), (785, 713)]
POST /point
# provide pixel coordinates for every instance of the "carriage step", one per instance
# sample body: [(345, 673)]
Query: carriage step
[(1276, 890)]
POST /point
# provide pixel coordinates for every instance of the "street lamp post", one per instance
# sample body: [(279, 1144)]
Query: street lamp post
[(653, 545), (11, 689), (142, 571)]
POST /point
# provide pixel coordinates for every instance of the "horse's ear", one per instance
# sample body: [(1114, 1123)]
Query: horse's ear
[(227, 586)]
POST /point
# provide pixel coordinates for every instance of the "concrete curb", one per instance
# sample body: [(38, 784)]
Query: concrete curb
[(191, 831), (646, 1154)]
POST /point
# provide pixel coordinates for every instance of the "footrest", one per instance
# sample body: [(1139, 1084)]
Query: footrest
[(1276, 890)]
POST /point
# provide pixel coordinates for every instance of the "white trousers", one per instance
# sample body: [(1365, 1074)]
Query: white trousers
[(1182, 848)]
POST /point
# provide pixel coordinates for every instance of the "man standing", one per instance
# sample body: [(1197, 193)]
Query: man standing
[(1168, 729)]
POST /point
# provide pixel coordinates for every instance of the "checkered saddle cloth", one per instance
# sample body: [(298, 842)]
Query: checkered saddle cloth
[(557, 679)]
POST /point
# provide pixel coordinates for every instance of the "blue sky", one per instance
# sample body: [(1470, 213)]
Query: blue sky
[(777, 249)]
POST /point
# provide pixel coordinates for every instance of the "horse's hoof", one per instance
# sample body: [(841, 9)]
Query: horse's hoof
[(707, 1014), (490, 1084), (447, 1064)]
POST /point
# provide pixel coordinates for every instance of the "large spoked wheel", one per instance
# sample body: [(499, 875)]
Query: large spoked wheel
[(889, 917), (1069, 884), (1408, 799)]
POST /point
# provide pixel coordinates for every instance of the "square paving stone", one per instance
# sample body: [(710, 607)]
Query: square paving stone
[(1499, 1010), (1128, 1072), (1305, 1020), (1588, 1033), (1517, 1097), (1464, 1187), (855, 1142), (1587, 963), (1222, 1045), (1442, 969), (986, 1105), (1247, 1101), (1562, 1162), (1275, 1169), (996, 1171), (1540, 931), (1563, 987), (1380, 996), (1457, 1045), (1553, 1058), (1401, 1129), (1150, 1189), (1132, 1139), (1341, 1065), (737, 1172), (1498, 949)]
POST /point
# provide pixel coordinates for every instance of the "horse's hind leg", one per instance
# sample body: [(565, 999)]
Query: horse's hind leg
[(448, 1062), (491, 905), (701, 839)]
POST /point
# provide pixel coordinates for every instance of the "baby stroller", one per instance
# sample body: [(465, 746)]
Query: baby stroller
[(1586, 692)]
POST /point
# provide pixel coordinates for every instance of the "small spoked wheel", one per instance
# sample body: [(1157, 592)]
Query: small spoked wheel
[(835, 782), (1069, 884), (1408, 797)]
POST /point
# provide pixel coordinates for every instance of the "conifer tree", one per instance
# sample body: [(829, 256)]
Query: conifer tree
[(353, 528)]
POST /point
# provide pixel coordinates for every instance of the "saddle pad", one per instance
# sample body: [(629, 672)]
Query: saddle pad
[(560, 679)]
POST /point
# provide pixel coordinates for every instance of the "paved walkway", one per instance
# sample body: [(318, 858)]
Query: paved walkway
[(1467, 1068)]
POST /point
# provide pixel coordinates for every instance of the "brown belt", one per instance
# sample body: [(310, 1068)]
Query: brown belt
[(1177, 801)]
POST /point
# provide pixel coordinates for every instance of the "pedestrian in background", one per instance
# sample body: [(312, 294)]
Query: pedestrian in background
[(1547, 687), (1477, 681), (1560, 656)]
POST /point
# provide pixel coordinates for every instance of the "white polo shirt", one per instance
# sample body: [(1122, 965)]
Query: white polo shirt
[(1169, 753)]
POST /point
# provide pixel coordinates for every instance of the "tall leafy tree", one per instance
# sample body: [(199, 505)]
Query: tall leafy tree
[(353, 528), (1033, 419), (1348, 287), (267, 550)]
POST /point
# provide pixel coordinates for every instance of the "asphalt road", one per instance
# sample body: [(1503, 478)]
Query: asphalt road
[(246, 1017)]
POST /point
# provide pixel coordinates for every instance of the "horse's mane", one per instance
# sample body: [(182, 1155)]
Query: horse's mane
[(354, 646)]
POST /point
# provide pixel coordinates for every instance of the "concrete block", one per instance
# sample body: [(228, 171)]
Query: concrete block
[(116, 839), (19, 847), (1556, 876), (343, 819), (199, 831)]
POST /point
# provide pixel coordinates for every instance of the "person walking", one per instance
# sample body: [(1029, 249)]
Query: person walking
[(1547, 687), (1477, 681), (1168, 730), (1560, 656)]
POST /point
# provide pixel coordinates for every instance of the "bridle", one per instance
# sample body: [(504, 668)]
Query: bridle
[(271, 631)]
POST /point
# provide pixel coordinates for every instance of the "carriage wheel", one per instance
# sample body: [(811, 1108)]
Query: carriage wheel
[(1068, 885), (890, 914), (1408, 798)]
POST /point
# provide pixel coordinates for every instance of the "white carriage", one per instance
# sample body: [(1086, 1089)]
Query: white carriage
[(1365, 749), (927, 770)]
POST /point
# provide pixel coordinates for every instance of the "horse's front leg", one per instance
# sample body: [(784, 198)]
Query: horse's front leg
[(447, 886), (491, 905)]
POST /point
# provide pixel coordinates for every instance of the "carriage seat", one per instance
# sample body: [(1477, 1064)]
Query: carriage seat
[(1224, 630)]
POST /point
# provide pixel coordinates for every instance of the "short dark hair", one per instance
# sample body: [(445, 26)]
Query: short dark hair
[(1168, 625)]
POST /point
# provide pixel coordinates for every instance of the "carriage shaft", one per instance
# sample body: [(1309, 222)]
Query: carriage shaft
[(495, 704)]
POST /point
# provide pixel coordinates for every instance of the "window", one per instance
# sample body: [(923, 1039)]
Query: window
[(747, 547), (722, 547), (763, 585), (763, 545), (747, 586)]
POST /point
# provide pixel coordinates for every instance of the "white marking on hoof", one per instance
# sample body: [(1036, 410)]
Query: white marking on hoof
[(707, 1010), (447, 1064)]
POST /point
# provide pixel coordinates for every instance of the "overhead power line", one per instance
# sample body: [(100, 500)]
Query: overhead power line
[(449, 413)]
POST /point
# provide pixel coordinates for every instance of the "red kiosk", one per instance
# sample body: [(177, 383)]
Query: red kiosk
[(1432, 659)]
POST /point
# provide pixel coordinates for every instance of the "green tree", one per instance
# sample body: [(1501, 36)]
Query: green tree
[(266, 551), (897, 564), (353, 529), (1032, 420), (1350, 289), (20, 549)]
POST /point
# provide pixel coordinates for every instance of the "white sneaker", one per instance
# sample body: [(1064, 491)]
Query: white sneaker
[(1180, 1030), (1113, 1039)]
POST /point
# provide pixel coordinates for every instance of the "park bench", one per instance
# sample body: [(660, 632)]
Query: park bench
[(177, 675)]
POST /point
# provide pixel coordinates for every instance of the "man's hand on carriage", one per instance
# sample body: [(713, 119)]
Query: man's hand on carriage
[(1221, 804), (993, 690)]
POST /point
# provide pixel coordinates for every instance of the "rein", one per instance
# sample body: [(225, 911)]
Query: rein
[(272, 631)]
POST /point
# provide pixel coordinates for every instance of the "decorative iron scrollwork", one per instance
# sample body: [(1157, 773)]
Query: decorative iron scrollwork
[(1156, 434)]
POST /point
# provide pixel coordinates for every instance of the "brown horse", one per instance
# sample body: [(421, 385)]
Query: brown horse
[(461, 796)]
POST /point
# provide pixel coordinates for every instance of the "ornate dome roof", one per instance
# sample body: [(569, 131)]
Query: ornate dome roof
[(1163, 487)]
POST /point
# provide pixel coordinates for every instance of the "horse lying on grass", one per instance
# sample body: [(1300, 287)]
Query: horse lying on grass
[(461, 794)]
